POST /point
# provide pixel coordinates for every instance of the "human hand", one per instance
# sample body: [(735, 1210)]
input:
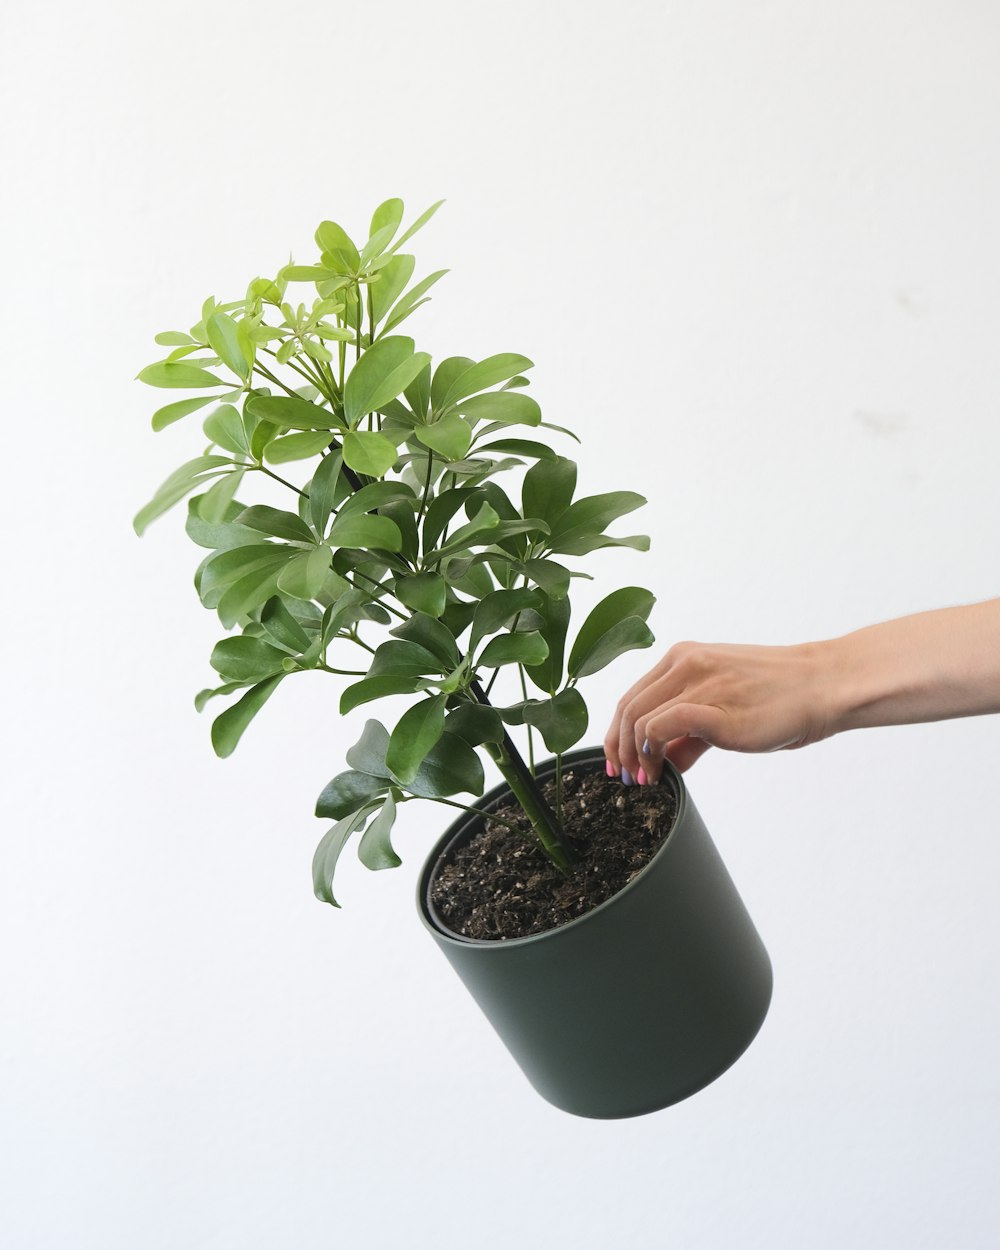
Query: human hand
[(740, 698)]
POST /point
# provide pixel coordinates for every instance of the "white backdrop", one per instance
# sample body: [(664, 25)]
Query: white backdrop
[(753, 249)]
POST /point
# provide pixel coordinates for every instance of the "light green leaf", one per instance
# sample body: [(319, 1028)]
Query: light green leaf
[(305, 575), (418, 730), (393, 277), (323, 490), (382, 373), (173, 412), (224, 427), (368, 452), (249, 592), (174, 338), (224, 337), (561, 721), (216, 500), (228, 728), (411, 300), (175, 374), (337, 247), (288, 412), (502, 408), (300, 446), (389, 213), (421, 221), (484, 374), (423, 592)]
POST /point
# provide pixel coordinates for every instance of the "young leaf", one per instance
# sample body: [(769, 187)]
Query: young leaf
[(388, 214), (174, 374), (288, 412), (228, 728), (301, 446), (411, 300), (337, 247), (418, 730), (173, 412), (224, 337), (421, 221)]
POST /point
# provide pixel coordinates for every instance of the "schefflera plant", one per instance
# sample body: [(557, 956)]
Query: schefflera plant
[(399, 527)]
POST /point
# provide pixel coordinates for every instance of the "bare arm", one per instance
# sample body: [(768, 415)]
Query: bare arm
[(930, 666)]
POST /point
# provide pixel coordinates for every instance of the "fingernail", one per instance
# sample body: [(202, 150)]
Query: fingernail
[(609, 768), (645, 746), (627, 777), (641, 776)]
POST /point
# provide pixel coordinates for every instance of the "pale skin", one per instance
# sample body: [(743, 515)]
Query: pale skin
[(930, 666)]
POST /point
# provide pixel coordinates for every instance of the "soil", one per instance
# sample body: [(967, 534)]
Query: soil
[(501, 885)]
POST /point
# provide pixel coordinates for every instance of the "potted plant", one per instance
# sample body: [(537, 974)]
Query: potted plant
[(595, 924)]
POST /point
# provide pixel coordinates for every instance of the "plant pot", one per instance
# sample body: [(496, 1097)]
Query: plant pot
[(640, 1002)]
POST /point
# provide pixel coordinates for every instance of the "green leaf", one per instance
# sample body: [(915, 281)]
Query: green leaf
[(631, 634), (249, 592), (393, 277), (367, 755), (485, 521), (375, 850), (174, 338), (301, 446), (446, 373), (402, 658), (328, 852), (551, 576), (592, 515), (382, 373), (224, 337), (306, 273), (431, 634), (173, 412), (187, 478), (174, 373), (264, 433), (216, 500), (348, 792), (371, 688), (411, 300), (375, 495), (218, 535), (554, 614), (592, 542), (372, 250), (202, 698), (337, 247), (495, 610), (502, 407), (561, 721), (246, 659), (451, 767), (365, 530), (289, 412), (528, 647), (228, 728), (450, 436), (224, 427), (486, 373), (424, 592), (226, 567), (276, 522), (305, 575), (368, 452), (629, 601), (283, 627), (323, 490), (421, 221), (440, 513), (475, 724), (520, 447), (389, 213), (418, 730), (547, 490)]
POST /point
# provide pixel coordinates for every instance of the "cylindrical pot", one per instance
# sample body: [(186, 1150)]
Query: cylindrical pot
[(640, 1002)]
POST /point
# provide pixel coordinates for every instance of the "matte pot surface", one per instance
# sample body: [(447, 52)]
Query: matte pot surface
[(640, 1002)]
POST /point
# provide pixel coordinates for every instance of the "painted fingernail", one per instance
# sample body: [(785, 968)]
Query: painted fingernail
[(609, 768), (645, 746), (627, 777), (641, 776)]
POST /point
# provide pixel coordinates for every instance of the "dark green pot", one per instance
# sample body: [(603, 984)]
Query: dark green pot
[(639, 1003)]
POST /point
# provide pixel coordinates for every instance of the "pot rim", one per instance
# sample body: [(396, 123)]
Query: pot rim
[(460, 826)]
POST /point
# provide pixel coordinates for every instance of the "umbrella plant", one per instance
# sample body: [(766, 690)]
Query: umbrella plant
[(400, 566)]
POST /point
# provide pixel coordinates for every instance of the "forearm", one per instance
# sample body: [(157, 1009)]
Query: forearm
[(927, 667)]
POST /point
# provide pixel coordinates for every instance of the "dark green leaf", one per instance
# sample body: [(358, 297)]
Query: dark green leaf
[(323, 490), (451, 767), (450, 436), (348, 792), (216, 500), (246, 659), (228, 728), (548, 488), (520, 447), (371, 688), (283, 627), (555, 621), (631, 634), (561, 721), (432, 635), (274, 521), (305, 575), (368, 753), (250, 592), (401, 658), (417, 731), (591, 515), (475, 723), (202, 698), (551, 576), (365, 530), (496, 610), (328, 852), (583, 546), (520, 648), (423, 592), (440, 513), (629, 601), (375, 849)]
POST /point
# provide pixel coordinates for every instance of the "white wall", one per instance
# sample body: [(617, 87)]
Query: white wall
[(753, 248)]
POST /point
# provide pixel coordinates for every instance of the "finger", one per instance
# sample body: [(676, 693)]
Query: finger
[(614, 736), (683, 752), (679, 720), (632, 717)]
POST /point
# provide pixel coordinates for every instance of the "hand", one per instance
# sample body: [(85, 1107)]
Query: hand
[(741, 698)]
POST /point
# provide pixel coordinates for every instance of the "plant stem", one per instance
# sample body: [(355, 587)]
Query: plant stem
[(427, 485), (528, 793), (261, 468), (479, 811)]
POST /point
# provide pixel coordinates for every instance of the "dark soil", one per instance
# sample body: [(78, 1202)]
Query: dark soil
[(500, 885)]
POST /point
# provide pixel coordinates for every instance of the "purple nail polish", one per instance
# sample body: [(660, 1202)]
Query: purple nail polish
[(627, 777), (645, 746)]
